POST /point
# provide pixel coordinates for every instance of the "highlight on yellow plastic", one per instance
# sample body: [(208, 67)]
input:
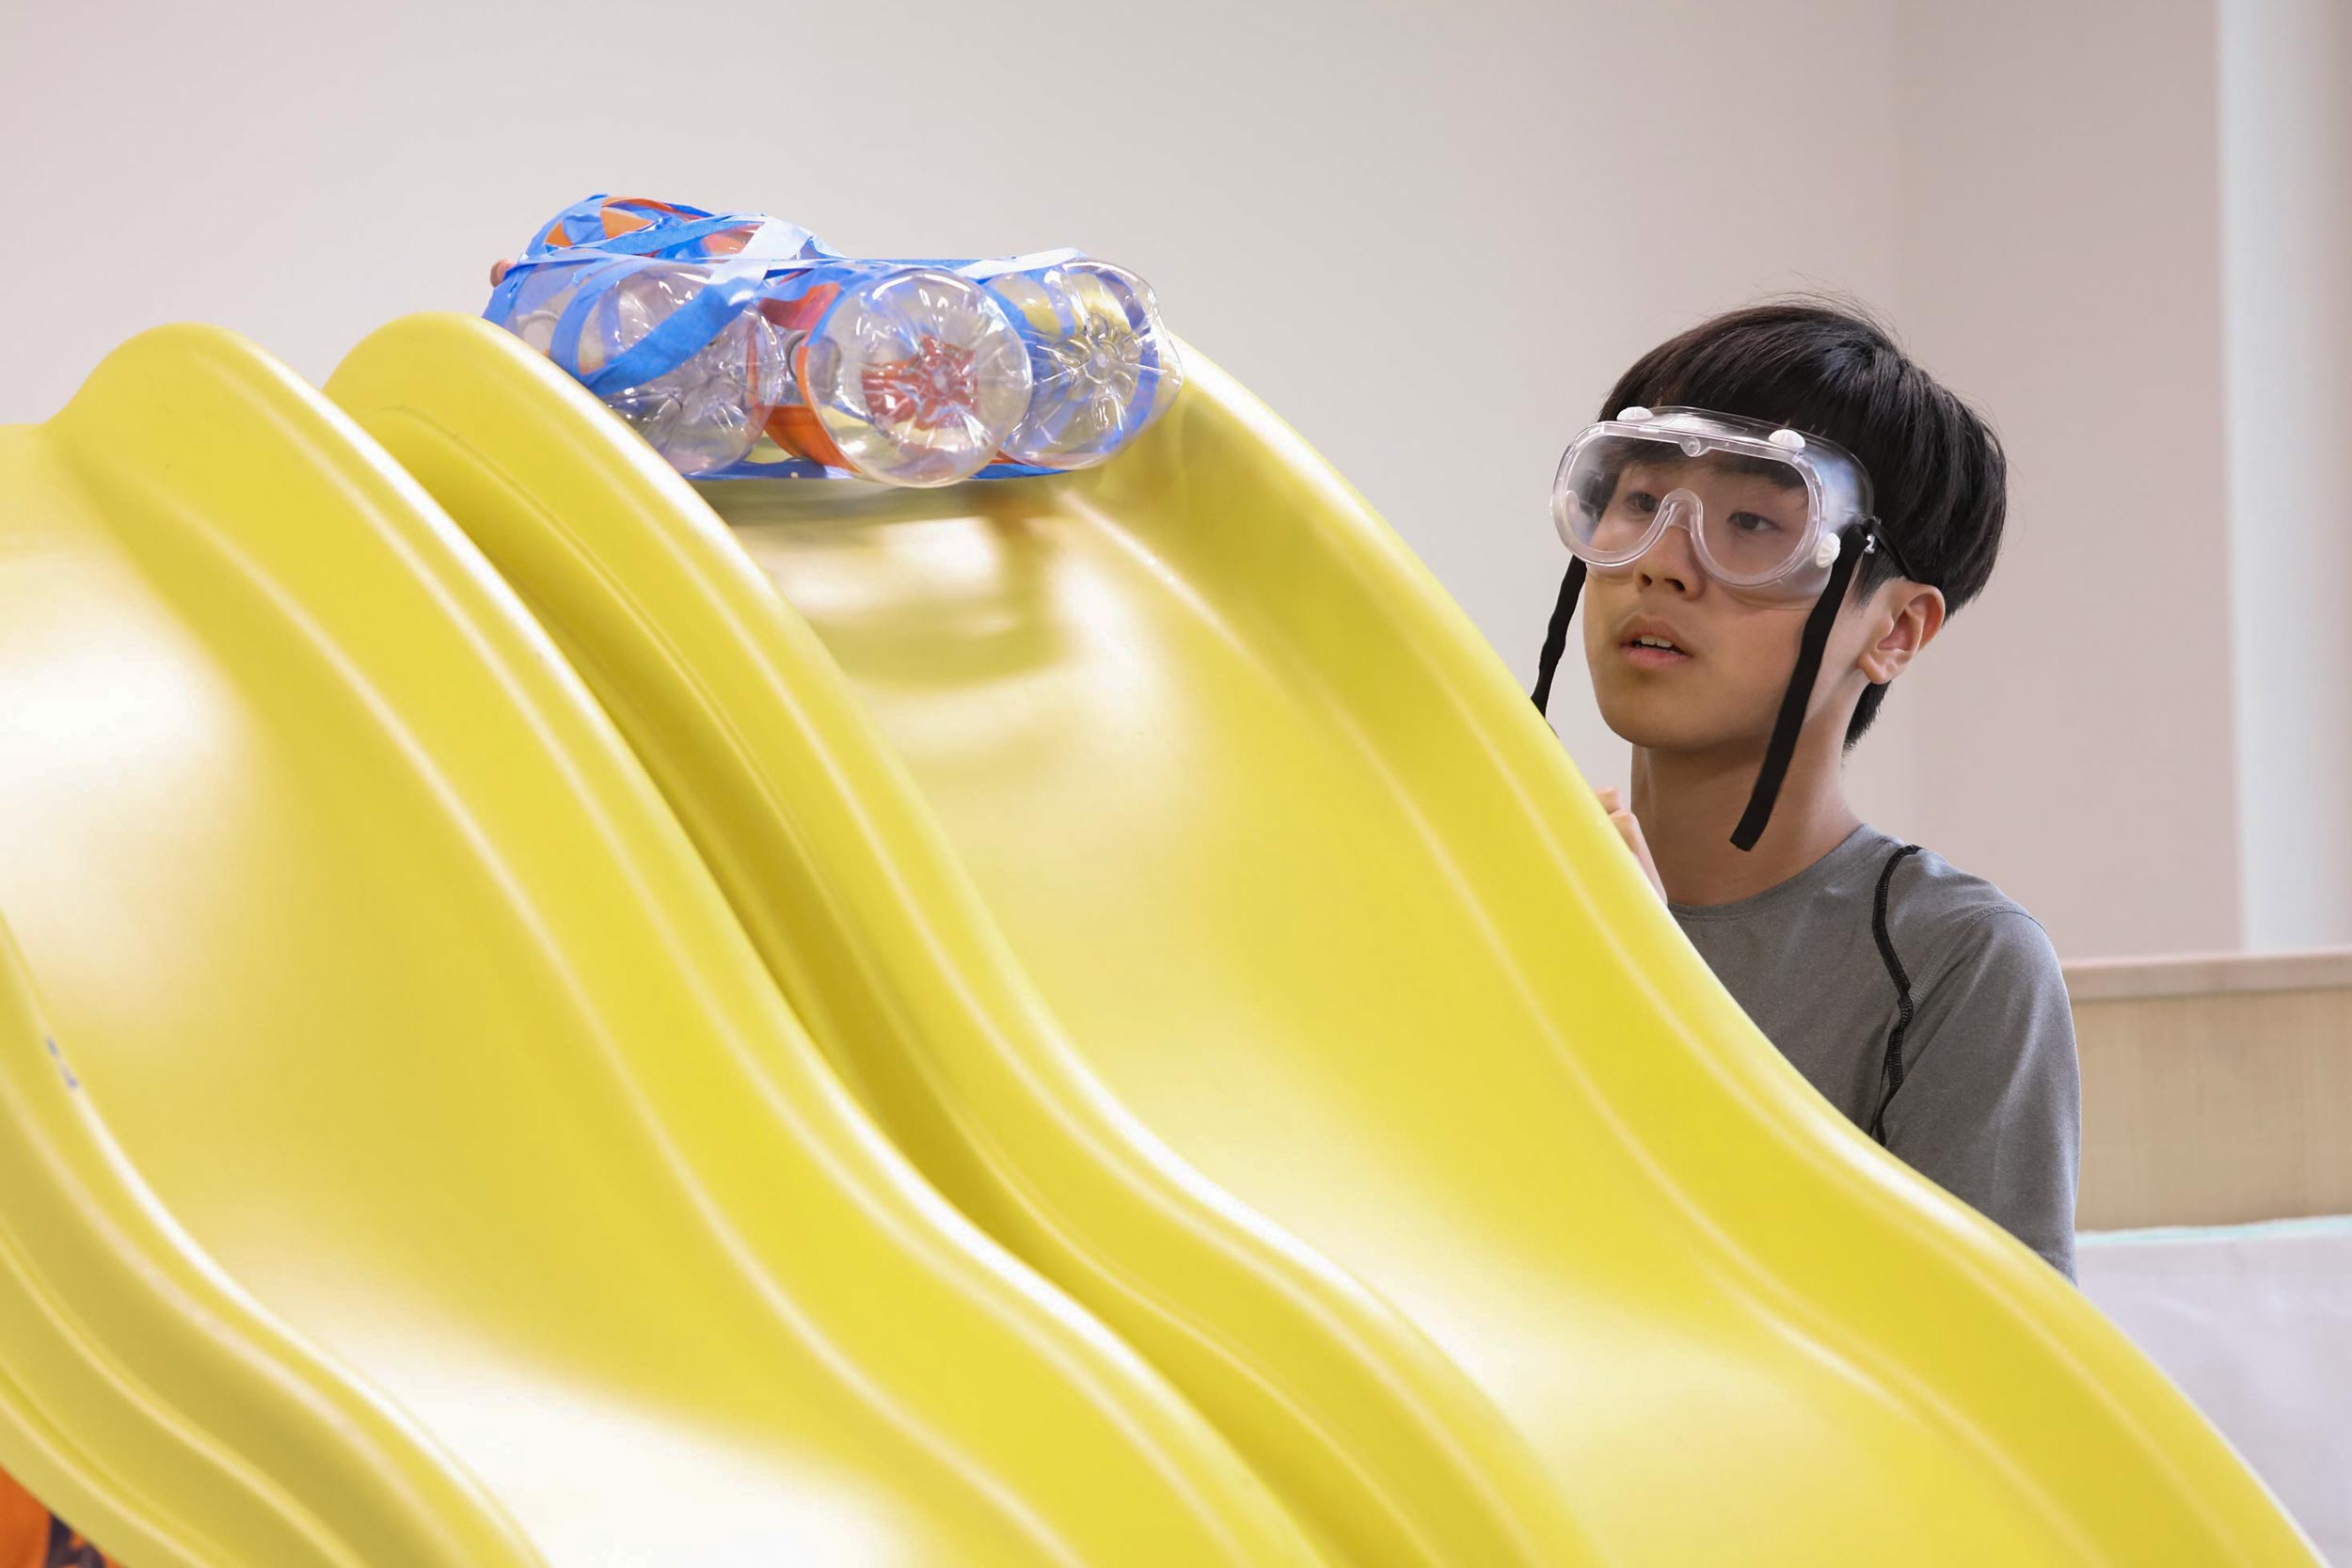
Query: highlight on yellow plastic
[(408, 1161), (1159, 846), (148, 1401)]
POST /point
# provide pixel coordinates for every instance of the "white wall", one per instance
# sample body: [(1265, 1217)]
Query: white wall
[(2287, 142), (1430, 237), (2060, 258)]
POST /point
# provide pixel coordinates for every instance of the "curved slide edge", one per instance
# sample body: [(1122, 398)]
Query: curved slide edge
[(1371, 1434), (149, 1401)]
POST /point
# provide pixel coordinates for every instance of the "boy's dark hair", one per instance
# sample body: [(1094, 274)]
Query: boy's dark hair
[(1826, 368)]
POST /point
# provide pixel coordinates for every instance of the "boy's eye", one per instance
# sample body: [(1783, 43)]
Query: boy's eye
[(1641, 502), (1753, 522)]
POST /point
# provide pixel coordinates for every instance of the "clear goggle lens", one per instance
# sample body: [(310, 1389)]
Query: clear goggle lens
[(1755, 520)]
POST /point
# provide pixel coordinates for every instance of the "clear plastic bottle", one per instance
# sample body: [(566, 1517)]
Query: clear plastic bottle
[(1102, 364), (704, 413), (908, 374)]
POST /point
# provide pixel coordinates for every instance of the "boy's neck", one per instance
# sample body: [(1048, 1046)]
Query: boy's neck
[(1688, 801)]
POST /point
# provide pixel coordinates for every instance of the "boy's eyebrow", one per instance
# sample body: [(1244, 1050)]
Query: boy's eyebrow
[(1780, 474)]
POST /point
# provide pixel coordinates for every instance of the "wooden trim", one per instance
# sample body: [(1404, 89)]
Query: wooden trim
[(2215, 1107), (2208, 974)]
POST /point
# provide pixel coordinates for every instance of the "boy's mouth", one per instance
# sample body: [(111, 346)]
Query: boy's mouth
[(1653, 651)]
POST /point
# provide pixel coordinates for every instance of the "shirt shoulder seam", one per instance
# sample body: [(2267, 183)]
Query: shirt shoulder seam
[(1950, 955)]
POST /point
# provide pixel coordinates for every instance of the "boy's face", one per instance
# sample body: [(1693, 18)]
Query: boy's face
[(1735, 648)]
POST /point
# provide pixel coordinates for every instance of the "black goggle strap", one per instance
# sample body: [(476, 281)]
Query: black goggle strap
[(1556, 635), (1853, 541)]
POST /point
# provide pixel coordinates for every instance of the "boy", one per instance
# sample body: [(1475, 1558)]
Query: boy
[(1771, 521)]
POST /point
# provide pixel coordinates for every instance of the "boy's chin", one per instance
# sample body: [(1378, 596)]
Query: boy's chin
[(1639, 725)]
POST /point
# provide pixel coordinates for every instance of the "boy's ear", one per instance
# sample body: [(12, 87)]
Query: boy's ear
[(1908, 621)]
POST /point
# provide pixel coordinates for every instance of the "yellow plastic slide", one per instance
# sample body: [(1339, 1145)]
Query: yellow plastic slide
[(407, 1162), (1171, 870)]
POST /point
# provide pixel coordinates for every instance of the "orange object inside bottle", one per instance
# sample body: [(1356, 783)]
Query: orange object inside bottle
[(796, 427)]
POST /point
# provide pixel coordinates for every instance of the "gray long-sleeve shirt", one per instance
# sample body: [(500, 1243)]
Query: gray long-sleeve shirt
[(1990, 1107)]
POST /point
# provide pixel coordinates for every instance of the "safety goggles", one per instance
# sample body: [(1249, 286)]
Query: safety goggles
[(1773, 515)]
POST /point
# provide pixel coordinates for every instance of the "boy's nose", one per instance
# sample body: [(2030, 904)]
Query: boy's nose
[(1673, 560)]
